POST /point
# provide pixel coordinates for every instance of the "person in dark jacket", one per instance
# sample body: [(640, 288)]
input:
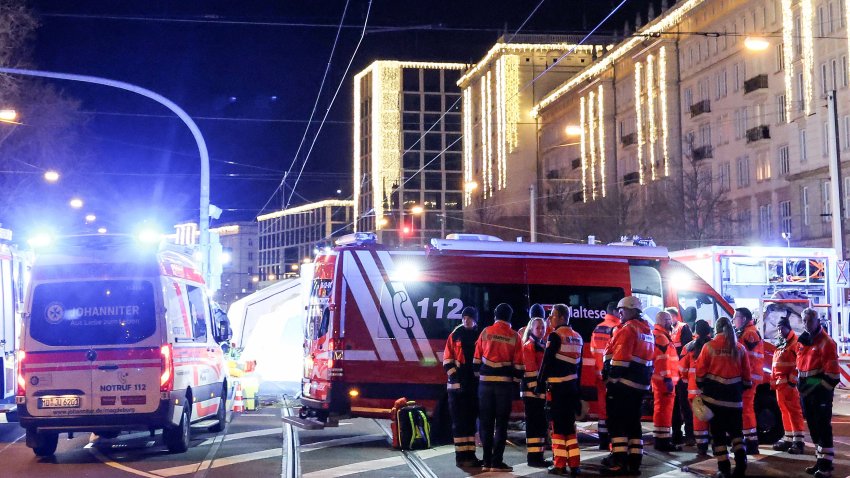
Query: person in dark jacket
[(536, 427), (462, 385)]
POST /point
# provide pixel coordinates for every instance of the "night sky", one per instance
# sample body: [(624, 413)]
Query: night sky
[(249, 73)]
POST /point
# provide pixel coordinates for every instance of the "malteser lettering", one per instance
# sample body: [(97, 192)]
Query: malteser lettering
[(582, 312)]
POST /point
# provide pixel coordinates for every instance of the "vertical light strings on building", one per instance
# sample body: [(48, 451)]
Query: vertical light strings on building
[(512, 101), (806, 12), (650, 112), (639, 123), (356, 148), (387, 145), (501, 140), (788, 55), (468, 179), (591, 141), (601, 127), (583, 126), (662, 94)]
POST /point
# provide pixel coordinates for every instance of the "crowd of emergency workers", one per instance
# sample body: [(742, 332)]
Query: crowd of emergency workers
[(702, 384)]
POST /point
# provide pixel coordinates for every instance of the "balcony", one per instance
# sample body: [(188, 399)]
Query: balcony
[(758, 133), (629, 139), (702, 152), (631, 178), (700, 107), (755, 83)]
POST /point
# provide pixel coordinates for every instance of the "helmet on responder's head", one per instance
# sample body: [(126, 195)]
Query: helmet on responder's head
[(630, 302)]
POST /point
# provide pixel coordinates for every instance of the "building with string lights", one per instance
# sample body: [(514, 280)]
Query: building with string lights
[(708, 125), (500, 147), (289, 237), (408, 182)]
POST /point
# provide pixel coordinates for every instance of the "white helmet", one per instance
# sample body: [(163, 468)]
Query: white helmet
[(630, 302)]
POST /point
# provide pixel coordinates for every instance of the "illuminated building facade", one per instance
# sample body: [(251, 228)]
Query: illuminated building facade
[(288, 237), (684, 105), (500, 148), (407, 151)]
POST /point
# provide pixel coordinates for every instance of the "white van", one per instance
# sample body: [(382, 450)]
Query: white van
[(118, 335)]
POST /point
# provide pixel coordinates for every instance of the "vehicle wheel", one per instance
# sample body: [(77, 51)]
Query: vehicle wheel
[(768, 416), (221, 416), (177, 438), (45, 443)]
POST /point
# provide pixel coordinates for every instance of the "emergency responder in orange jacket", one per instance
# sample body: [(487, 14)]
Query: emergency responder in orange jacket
[(784, 378), (688, 373), (817, 364), (535, 403), (463, 386), (682, 415), (598, 341), (750, 338), (723, 373), (628, 371), (560, 372), (498, 362), (664, 377)]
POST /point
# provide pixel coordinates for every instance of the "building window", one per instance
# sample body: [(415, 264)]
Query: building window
[(250, 256), (765, 225), (736, 77), (803, 154), (743, 172), (784, 160), (825, 142), (804, 200), (779, 58), (744, 222), (843, 68), (762, 168), (847, 198), (800, 93), (845, 136), (723, 176), (780, 109), (823, 87), (785, 216)]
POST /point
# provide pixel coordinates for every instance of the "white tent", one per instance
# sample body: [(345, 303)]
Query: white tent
[(268, 325)]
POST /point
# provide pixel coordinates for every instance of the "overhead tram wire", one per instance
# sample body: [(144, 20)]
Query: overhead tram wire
[(282, 184), (333, 100)]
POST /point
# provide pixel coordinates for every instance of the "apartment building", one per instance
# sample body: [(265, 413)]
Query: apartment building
[(688, 133)]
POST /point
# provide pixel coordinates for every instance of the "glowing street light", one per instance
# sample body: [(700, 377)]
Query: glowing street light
[(471, 185), (90, 218), (51, 176), (756, 43), (573, 130), (76, 203), (8, 116), (101, 230), (417, 210)]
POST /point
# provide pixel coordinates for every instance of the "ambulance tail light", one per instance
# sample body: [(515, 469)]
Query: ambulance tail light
[(333, 344), (19, 375), (166, 379)]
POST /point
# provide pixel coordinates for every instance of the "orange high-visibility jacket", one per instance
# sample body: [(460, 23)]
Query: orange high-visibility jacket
[(666, 361), (817, 362), (688, 365), (752, 342), (721, 375), (532, 357), (599, 340), (459, 346), (681, 335), (562, 358), (498, 354), (784, 368), (628, 356)]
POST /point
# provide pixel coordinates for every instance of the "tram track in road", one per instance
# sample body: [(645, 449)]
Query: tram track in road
[(291, 466), (411, 459)]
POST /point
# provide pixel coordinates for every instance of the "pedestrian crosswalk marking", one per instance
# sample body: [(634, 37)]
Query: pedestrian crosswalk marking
[(219, 462), (359, 467), (341, 442)]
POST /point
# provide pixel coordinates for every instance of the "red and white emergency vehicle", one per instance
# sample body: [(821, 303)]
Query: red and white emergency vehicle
[(378, 318), (14, 273), (118, 336)]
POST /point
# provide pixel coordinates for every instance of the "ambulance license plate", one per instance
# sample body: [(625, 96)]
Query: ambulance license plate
[(59, 402)]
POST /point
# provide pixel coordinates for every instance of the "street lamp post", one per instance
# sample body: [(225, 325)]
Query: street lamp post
[(204, 219)]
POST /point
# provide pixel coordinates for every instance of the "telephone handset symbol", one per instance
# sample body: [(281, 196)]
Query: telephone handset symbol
[(404, 319)]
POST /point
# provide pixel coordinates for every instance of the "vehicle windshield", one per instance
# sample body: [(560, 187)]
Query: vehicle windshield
[(93, 312)]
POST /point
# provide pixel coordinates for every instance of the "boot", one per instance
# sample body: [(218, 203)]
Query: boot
[(634, 462), (604, 441), (665, 445), (797, 448), (615, 465), (702, 449), (740, 465), (558, 471), (812, 469), (724, 469), (823, 474), (536, 460), (752, 447), (782, 445)]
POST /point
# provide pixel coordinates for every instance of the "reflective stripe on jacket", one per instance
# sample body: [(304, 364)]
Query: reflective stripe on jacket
[(681, 335), (720, 375), (460, 347), (629, 355), (498, 354), (665, 360), (784, 367), (562, 358), (600, 338)]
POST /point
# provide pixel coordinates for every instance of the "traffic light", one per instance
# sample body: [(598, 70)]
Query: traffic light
[(405, 231)]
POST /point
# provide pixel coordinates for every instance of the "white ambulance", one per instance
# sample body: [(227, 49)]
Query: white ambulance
[(118, 335)]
